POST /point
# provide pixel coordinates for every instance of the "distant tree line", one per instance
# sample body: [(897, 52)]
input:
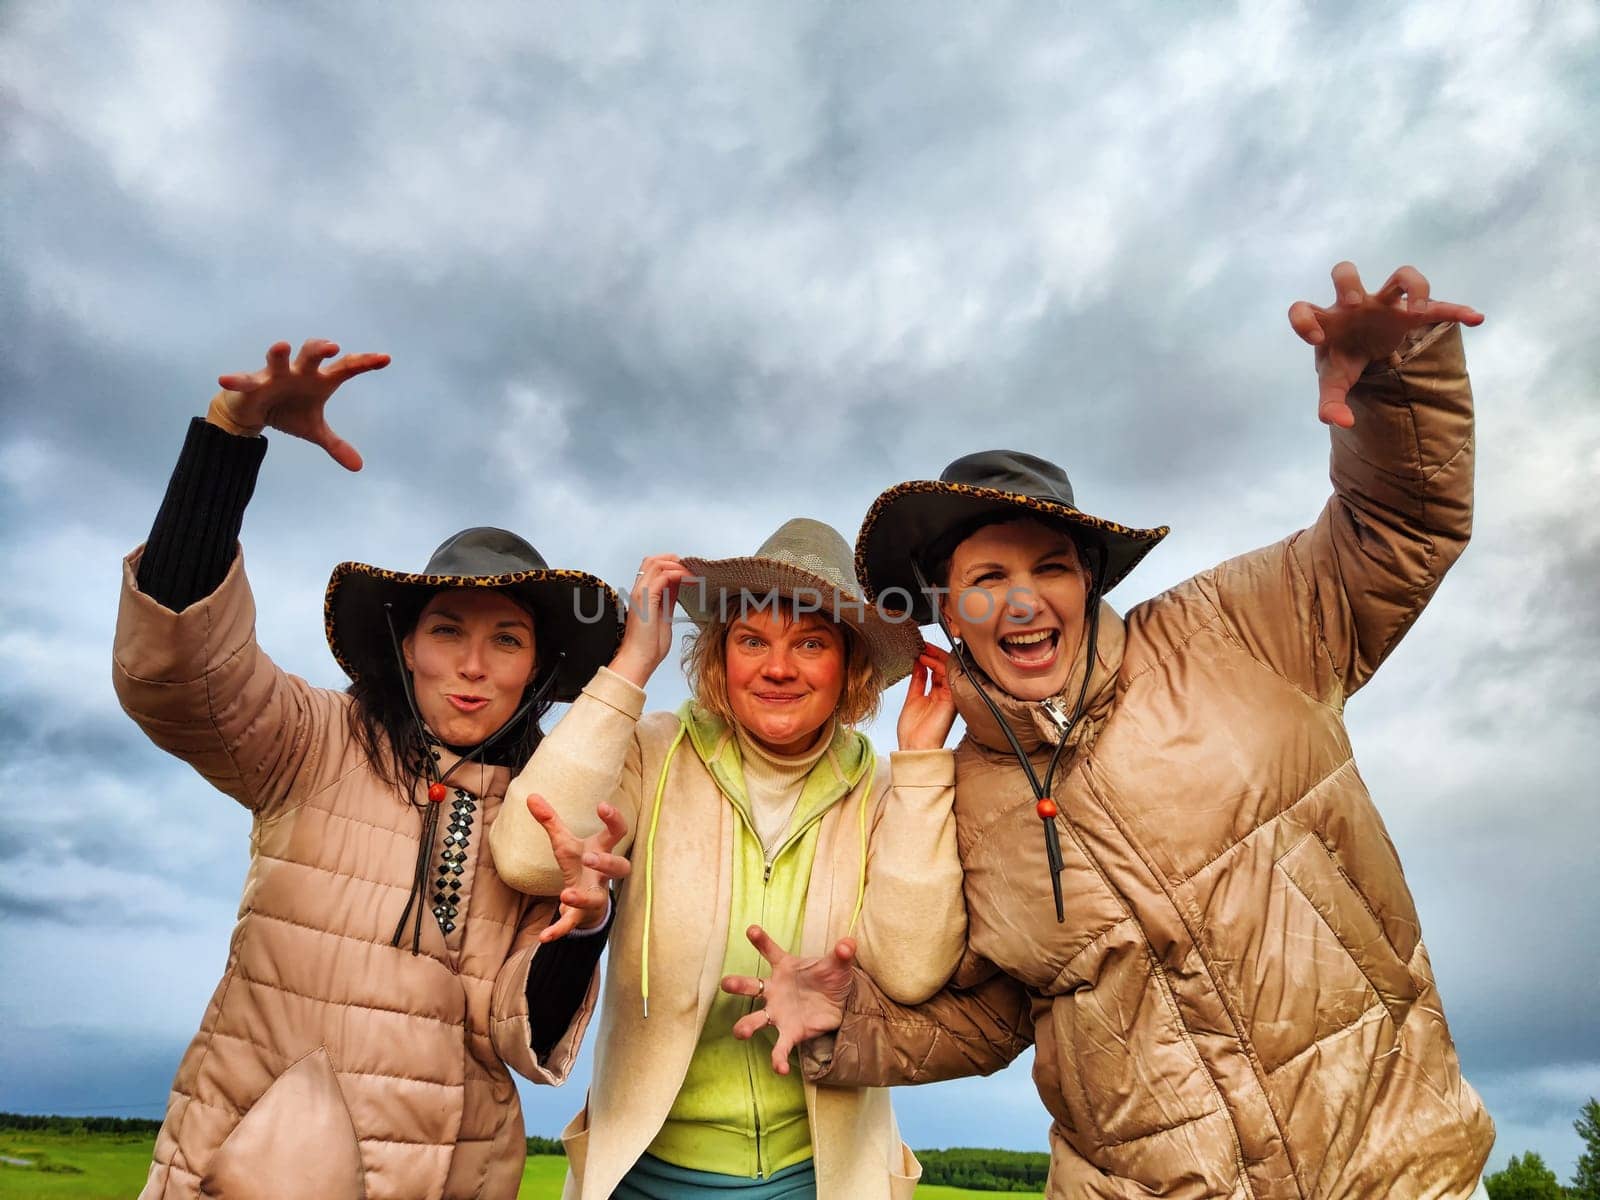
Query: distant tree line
[(1526, 1177), (31, 1123), (986, 1170)]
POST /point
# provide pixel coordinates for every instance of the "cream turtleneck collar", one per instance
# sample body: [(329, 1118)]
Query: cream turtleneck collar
[(773, 783)]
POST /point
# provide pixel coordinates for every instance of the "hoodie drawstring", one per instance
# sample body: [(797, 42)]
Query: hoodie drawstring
[(650, 870)]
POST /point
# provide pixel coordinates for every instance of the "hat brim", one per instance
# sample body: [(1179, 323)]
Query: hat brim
[(574, 614), (910, 517), (728, 586)]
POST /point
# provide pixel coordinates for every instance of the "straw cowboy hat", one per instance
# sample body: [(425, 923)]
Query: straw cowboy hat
[(809, 563)]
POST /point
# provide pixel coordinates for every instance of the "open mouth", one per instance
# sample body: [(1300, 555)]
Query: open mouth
[(1033, 649), (468, 704)]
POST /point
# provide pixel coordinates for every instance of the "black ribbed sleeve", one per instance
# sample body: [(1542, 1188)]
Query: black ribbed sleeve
[(558, 978), (191, 545)]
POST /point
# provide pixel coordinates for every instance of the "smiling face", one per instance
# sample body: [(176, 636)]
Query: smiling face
[(1017, 596), (470, 654), (785, 675)]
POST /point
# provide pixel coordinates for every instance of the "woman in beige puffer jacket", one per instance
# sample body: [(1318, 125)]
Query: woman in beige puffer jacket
[(381, 978), (1200, 923)]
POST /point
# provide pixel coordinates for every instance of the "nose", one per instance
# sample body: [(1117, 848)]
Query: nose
[(1021, 604), (471, 665), (778, 665)]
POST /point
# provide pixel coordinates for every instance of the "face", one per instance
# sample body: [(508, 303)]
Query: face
[(470, 655), (785, 677), (1017, 594)]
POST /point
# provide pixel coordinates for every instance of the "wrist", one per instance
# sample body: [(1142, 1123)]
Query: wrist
[(217, 414), (634, 670)]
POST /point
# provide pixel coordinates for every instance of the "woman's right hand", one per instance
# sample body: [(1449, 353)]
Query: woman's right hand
[(588, 868), (647, 637), (290, 396), (803, 998)]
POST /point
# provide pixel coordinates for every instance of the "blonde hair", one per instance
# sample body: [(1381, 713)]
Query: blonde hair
[(705, 664)]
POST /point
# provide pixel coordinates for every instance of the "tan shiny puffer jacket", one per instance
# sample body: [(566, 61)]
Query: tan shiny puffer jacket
[(1239, 1003), (329, 1063)]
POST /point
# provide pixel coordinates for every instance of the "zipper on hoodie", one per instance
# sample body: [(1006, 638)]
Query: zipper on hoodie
[(1058, 717), (767, 865)]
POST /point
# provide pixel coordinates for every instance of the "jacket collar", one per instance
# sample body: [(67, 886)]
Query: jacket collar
[(836, 774), (1029, 721)]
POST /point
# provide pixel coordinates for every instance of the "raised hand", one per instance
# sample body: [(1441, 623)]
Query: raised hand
[(804, 997), (1360, 328), (647, 636), (587, 866), (930, 709), (290, 395)]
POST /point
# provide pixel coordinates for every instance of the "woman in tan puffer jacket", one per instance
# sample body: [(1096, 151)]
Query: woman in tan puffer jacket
[(381, 978), (1178, 887)]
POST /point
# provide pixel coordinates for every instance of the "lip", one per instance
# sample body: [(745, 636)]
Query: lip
[(467, 704), (1031, 664), (779, 697)]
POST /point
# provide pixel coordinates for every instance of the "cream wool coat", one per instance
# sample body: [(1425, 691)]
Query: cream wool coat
[(912, 926), (330, 1064)]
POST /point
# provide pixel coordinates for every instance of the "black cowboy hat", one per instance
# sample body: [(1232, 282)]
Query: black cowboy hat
[(574, 613), (926, 518)]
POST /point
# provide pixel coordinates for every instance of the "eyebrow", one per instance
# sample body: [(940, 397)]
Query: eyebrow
[(508, 623)]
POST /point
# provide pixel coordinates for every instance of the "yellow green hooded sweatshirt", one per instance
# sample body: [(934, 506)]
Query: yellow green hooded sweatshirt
[(734, 1114)]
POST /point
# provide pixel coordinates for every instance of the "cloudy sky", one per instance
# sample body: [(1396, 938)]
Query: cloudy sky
[(659, 277)]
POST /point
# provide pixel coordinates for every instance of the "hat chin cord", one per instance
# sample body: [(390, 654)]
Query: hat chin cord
[(430, 820), (1044, 804)]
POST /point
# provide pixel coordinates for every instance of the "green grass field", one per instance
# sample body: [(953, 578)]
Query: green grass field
[(107, 1166)]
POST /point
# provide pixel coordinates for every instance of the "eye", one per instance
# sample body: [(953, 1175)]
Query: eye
[(1053, 568), (988, 579), (509, 640), (443, 629)]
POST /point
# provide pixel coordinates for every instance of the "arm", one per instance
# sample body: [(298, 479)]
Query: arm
[(1327, 606), (913, 923), (544, 996), (914, 915), (969, 1030), (592, 756), (185, 663)]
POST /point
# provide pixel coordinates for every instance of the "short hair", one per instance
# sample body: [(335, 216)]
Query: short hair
[(705, 664)]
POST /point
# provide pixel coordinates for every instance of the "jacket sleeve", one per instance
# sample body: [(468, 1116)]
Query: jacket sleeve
[(978, 1024), (591, 755), (1325, 607), (913, 924), (198, 685), (511, 1026)]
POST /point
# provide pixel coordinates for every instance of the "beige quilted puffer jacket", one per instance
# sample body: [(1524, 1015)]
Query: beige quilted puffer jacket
[(1239, 1003), (329, 1063)]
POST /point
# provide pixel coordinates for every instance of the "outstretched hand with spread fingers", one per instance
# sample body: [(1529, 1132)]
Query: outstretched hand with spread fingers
[(587, 866), (1360, 328), (290, 395), (804, 997)]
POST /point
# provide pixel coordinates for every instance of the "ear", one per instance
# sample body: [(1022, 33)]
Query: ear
[(405, 651)]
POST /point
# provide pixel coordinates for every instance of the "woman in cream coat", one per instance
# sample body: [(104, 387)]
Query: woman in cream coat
[(755, 803)]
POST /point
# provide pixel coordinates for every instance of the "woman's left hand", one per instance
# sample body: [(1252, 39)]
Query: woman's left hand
[(930, 709), (1360, 328), (587, 866), (803, 998)]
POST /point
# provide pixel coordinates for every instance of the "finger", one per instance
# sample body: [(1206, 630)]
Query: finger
[(1347, 284), (565, 924), (1303, 320), (278, 357), (541, 811), (742, 985), (616, 827), (1332, 406), (935, 654), (844, 951), (1408, 282), (352, 365), (765, 946), (780, 1053), (239, 383), (585, 900), (748, 1026), (612, 866), (1443, 310), (341, 451), (313, 353)]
